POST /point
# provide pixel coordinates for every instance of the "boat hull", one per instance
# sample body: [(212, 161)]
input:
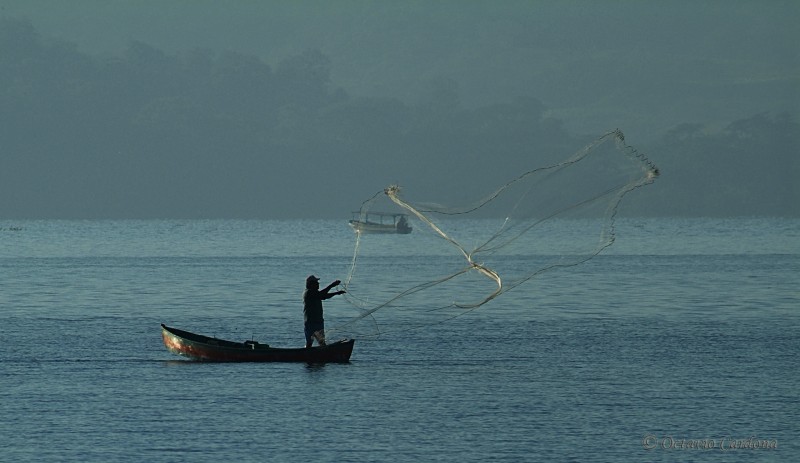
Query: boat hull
[(208, 349), (368, 227)]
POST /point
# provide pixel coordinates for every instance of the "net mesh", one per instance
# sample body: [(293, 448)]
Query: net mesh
[(460, 258)]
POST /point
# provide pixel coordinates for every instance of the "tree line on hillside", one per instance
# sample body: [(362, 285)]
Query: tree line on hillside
[(748, 168), (207, 134)]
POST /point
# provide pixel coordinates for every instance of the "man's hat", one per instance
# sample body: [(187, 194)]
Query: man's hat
[(311, 279)]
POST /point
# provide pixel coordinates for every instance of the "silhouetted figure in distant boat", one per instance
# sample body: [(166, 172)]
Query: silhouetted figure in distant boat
[(312, 309)]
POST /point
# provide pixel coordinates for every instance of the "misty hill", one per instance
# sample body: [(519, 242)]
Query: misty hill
[(205, 133), (644, 66)]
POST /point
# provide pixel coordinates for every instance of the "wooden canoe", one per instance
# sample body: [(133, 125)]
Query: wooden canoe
[(208, 349)]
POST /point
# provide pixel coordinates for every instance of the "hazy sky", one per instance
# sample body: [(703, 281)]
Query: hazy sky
[(645, 67), (598, 64)]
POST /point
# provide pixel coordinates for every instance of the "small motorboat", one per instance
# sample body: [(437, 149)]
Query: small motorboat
[(208, 349), (380, 222)]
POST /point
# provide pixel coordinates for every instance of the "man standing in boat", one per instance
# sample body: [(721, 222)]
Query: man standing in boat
[(312, 309)]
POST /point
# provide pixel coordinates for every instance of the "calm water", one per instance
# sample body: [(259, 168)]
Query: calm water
[(678, 344)]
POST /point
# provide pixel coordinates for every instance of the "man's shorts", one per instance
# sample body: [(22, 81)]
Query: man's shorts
[(312, 328)]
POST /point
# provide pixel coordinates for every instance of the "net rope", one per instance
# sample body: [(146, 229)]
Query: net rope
[(582, 192)]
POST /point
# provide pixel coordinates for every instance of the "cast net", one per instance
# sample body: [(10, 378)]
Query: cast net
[(459, 258)]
